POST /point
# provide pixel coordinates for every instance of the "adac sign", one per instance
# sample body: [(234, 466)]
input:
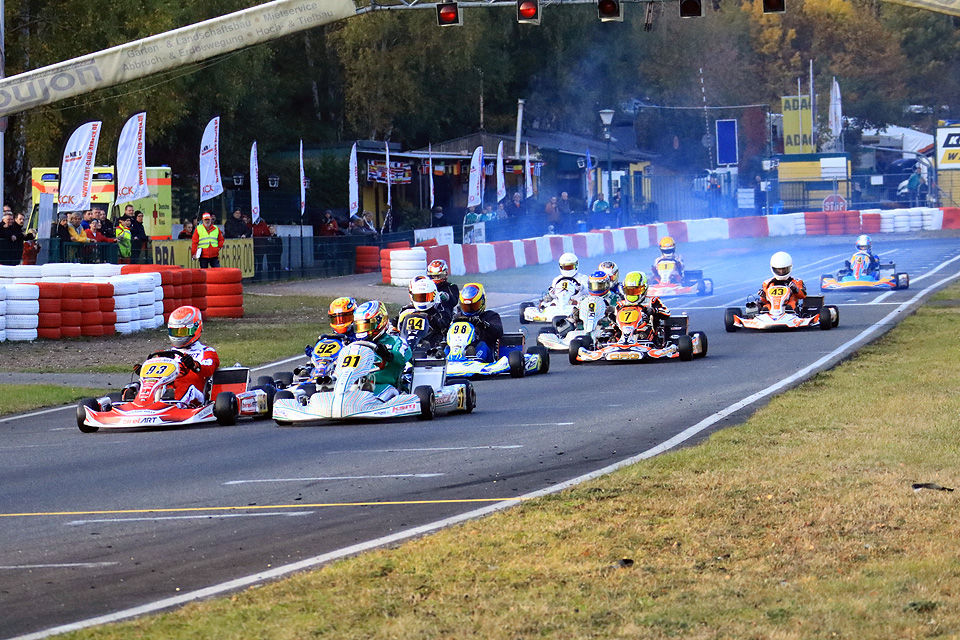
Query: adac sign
[(948, 148)]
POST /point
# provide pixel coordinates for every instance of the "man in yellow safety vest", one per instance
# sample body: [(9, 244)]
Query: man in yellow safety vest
[(207, 242)]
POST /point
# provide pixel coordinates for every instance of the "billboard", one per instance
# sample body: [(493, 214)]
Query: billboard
[(728, 149), (797, 125)]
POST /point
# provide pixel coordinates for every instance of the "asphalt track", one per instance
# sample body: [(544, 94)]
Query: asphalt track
[(93, 524)]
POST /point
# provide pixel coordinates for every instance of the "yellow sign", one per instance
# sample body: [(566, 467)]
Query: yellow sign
[(236, 253), (797, 125), (948, 148)]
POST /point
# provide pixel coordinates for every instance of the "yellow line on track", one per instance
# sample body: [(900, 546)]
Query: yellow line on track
[(252, 507)]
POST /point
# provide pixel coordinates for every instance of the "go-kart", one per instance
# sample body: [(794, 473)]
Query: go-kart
[(322, 357), (856, 278), (561, 306), (638, 340), (149, 402), (462, 360), (421, 336), (809, 312), (668, 282), (593, 325), (349, 394)]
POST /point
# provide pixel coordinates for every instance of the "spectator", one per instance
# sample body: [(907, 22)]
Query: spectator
[(368, 221), (438, 220), (358, 227), (564, 211), (500, 213), (106, 226), (553, 213), (472, 216), (600, 211), (913, 186), (329, 226), (207, 242), (516, 207), (187, 232), (63, 228), (260, 230), (87, 217), (138, 235), (489, 215), (30, 247), (714, 191), (95, 234), (20, 221), (11, 240), (76, 230), (759, 198), (235, 227), (124, 238)]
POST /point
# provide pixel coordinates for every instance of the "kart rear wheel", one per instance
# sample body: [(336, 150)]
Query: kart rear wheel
[(703, 343), (271, 392), (835, 313), (575, 345), (541, 351), (82, 414), (428, 402), (264, 380), (826, 323), (226, 408), (284, 378), (517, 365), (729, 321), (283, 395), (523, 307), (544, 330), (685, 347), (902, 280), (471, 397), (705, 287)]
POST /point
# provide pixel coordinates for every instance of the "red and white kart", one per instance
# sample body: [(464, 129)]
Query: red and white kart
[(668, 282), (150, 403), (809, 312)]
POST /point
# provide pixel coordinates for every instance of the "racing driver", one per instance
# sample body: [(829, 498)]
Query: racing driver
[(781, 264), (197, 360)]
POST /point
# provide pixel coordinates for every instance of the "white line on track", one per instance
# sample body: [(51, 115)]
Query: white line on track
[(215, 516), (317, 479), (918, 278), (680, 438), (403, 450), (63, 565)]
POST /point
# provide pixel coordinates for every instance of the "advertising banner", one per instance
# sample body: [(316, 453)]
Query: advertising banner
[(254, 185), (797, 124), (474, 186), (948, 148), (303, 184), (728, 148), (131, 160), (501, 179), (76, 168), (354, 183), (443, 235), (210, 183), (475, 233), (236, 253)]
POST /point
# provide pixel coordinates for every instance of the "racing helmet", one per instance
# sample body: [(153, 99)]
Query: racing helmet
[(184, 326), (864, 244), (667, 247), (599, 283), (341, 314), (371, 320), (635, 287), (569, 265), (438, 271), (423, 293), (610, 268), (473, 300), (781, 264)]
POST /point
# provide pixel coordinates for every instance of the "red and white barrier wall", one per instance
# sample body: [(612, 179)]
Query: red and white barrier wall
[(509, 254), (64, 300)]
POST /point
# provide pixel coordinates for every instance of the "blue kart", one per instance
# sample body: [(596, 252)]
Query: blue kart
[(855, 277), (463, 361)]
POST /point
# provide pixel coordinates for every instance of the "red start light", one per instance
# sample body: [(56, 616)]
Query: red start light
[(608, 8), (528, 10), (449, 13)]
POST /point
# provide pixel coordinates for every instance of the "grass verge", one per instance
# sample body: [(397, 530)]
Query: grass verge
[(17, 398), (800, 523)]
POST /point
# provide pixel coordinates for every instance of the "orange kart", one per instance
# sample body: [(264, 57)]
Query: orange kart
[(639, 341)]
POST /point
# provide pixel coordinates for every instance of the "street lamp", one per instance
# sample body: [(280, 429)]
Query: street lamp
[(606, 117)]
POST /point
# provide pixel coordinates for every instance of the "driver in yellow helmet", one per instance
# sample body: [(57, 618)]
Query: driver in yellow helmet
[(635, 294), (668, 253)]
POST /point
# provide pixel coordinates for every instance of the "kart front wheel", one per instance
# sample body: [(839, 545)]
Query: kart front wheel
[(902, 280), (82, 414), (575, 345), (703, 343), (705, 287), (265, 380), (284, 378), (226, 408), (834, 314), (729, 319), (428, 402), (517, 366), (538, 350), (470, 401), (523, 307), (283, 395), (826, 319), (685, 347)]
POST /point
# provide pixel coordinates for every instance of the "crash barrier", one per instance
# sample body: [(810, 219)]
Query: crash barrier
[(508, 254), (63, 300), (398, 265)]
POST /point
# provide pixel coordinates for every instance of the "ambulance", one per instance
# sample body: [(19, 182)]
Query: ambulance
[(157, 207)]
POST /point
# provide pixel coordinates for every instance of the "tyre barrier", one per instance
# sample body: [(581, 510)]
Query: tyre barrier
[(224, 293), (367, 259), (398, 266)]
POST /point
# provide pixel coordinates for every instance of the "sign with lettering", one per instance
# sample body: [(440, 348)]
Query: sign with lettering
[(797, 125)]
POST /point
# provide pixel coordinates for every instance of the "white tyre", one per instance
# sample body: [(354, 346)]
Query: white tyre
[(23, 308), (22, 292), (3, 307), (126, 301), (144, 312), (158, 308), (145, 298), (55, 269), (3, 335), (106, 270), (123, 286), (21, 335), (81, 271), (157, 294), (126, 315), (29, 271), (22, 321)]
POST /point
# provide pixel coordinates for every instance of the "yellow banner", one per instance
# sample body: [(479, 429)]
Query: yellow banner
[(236, 253), (797, 125), (949, 7)]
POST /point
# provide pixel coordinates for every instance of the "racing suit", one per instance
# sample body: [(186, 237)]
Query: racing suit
[(573, 281), (611, 300), (677, 274), (489, 330), (188, 387), (394, 355), (656, 313), (439, 319), (796, 286), (873, 263), (449, 296)]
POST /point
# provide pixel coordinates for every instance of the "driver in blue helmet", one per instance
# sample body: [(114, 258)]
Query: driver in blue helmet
[(865, 247), (486, 323)]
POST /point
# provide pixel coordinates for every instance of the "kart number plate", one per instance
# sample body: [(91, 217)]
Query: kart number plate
[(158, 370), (628, 316), (460, 328), (414, 323), (666, 265), (326, 349), (777, 291), (350, 362)]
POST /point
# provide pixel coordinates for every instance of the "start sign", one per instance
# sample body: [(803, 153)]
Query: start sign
[(834, 202)]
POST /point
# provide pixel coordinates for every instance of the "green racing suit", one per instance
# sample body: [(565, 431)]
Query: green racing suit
[(395, 356)]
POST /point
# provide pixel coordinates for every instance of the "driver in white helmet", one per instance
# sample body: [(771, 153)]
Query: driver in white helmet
[(781, 264), (865, 247), (425, 299), (568, 278)]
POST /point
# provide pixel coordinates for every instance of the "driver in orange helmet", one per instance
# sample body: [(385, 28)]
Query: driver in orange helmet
[(198, 361), (668, 253)]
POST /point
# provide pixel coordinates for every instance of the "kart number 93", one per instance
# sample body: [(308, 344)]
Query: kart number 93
[(157, 370)]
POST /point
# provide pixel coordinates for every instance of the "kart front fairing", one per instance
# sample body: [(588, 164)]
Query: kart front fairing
[(592, 311), (560, 307)]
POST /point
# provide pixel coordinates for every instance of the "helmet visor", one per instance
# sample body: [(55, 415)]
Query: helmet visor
[(366, 325), (568, 267), (781, 271), (422, 298), (598, 286), (182, 332), (342, 318), (635, 290), (472, 306), (667, 251)]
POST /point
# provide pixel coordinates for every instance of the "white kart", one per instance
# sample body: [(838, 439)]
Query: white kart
[(560, 307), (351, 394), (592, 311)]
